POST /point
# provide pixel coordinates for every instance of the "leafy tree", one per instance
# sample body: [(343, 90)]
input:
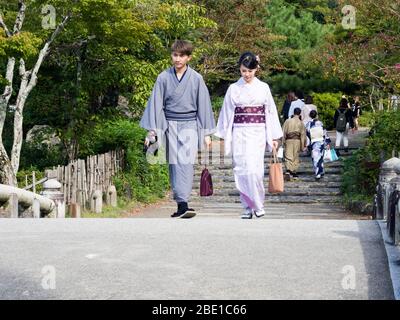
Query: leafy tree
[(368, 55), (110, 47), (22, 45)]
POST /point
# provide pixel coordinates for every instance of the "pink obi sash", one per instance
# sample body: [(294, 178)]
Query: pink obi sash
[(247, 115)]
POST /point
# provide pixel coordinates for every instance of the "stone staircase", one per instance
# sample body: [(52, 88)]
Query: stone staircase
[(304, 198)]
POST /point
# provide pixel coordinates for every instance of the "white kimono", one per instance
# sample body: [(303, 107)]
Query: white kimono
[(247, 141)]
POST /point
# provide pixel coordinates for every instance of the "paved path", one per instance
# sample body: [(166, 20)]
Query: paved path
[(205, 258)]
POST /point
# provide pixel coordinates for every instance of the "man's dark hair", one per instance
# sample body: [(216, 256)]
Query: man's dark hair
[(297, 111), (248, 60), (291, 96), (299, 94), (309, 100), (182, 47), (313, 114), (344, 103)]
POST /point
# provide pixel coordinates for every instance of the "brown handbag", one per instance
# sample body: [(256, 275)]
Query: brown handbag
[(206, 185), (275, 184)]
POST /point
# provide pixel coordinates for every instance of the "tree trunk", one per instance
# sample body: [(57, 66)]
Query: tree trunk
[(370, 99), (6, 173), (28, 82), (18, 117)]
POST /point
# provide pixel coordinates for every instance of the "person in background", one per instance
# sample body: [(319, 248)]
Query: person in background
[(356, 111), (343, 121), (297, 103), (319, 141), (286, 106), (294, 141), (307, 108), (305, 117)]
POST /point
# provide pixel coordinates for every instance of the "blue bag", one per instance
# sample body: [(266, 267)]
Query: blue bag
[(334, 156)]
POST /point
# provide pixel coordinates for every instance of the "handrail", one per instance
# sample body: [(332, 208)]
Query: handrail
[(26, 198)]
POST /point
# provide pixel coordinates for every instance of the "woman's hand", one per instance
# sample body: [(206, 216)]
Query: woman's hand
[(275, 145), (207, 141)]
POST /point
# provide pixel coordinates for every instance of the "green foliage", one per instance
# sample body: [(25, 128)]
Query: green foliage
[(368, 54), (385, 134), (297, 28), (366, 119), (140, 180), (361, 170), (217, 103), (282, 83), (24, 177), (24, 45), (326, 104), (41, 156)]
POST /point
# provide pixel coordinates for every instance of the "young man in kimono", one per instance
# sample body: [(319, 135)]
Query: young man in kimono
[(249, 124), (294, 139), (180, 115)]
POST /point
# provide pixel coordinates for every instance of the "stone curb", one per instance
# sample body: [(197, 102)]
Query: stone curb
[(393, 254)]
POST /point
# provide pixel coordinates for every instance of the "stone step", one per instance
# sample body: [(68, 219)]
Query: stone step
[(306, 165), (216, 154), (273, 199), (287, 192), (302, 171), (288, 185), (273, 210), (308, 179), (276, 207)]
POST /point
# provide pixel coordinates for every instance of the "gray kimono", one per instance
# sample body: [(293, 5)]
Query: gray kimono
[(180, 113)]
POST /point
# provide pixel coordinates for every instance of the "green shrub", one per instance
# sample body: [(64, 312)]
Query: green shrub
[(217, 103), (140, 180), (366, 119), (24, 176), (326, 104), (41, 155), (361, 170)]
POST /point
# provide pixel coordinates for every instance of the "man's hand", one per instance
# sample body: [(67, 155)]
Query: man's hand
[(151, 137), (207, 141)]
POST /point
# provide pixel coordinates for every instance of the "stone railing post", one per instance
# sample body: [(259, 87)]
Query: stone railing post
[(395, 186), (12, 206), (386, 174), (96, 201), (111, 196), (52, 190)]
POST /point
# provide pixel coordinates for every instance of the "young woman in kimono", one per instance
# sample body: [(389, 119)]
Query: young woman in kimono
[(180, 115), (249, 122), (319, 141)]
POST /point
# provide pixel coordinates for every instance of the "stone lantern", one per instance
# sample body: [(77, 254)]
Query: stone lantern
[(52, 190)]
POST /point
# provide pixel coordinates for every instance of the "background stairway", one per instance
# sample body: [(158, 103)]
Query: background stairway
[(304, 198)]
